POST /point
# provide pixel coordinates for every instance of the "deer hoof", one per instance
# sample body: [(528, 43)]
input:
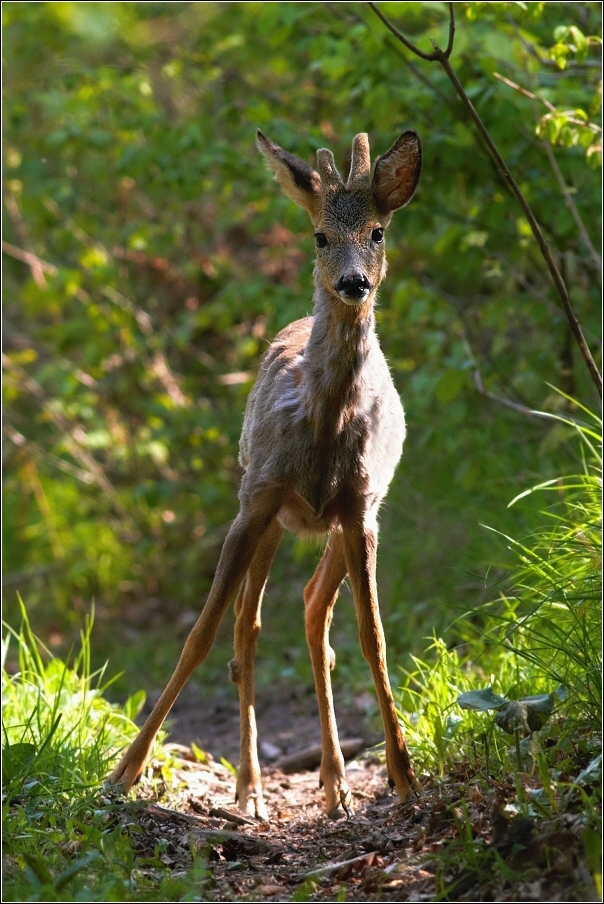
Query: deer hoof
[(124, 777), (251, 803), (343, 808)]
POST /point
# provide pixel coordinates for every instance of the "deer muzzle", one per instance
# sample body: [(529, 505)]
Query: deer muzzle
[(353, 288)]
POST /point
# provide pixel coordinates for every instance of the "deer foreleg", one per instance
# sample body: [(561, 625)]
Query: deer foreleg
[(241, 670), (320, 597), (237, 552), (360, 550)]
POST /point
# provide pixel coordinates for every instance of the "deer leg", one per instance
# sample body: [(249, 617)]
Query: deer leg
[(360, 550), (320, 597), (241, 670), (237, 552)]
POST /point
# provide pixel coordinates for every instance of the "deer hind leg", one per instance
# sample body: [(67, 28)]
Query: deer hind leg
[(360, 550), (241, 670), (320, 597), (237, 552)]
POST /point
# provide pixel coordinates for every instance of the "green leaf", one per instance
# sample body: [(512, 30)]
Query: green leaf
[(528, 713), (481, 700), (16, 760), (581, 45), (68, 874), (134, 704), (449, 386), (38, 867), (592, 773)]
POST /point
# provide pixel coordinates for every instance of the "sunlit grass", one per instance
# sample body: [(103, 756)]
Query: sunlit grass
[(62, 841), (540, 635)]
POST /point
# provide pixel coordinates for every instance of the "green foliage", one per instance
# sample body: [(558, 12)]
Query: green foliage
[(56, 724), (59, 733), (169, 260), (546, 629), (428, 707), (553, 618), (539, 644), (149, 261)]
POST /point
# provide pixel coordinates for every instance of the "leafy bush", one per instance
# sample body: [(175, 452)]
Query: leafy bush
[(542, 634)]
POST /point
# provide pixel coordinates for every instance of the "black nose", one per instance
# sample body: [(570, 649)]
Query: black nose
[(354, 285)]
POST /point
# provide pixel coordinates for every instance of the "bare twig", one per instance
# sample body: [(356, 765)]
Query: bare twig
[(524, 91), (15, 214), (499, 400), (235, 818), (442, 56), (29, 258), (570, 203), (569, 118), (425, 56)]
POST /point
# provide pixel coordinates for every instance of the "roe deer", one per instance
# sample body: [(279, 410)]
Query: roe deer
[(322, 435)]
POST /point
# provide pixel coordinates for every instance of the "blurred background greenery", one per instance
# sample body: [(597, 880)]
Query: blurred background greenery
[(149, 259)]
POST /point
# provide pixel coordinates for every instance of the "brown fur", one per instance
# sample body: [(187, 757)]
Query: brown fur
[(322, 435)]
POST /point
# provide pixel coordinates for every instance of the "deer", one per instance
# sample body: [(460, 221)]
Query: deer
[(322, 435)]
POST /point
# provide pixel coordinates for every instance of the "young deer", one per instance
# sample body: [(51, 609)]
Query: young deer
[(322, 435)]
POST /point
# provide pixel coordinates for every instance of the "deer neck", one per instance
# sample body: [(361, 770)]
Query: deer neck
[(341, 339)]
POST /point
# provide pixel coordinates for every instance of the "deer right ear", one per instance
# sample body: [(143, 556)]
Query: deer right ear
[(397, 172), (299, 181)]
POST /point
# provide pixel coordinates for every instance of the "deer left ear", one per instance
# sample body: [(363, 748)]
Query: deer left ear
[(298, 180), (396, 173)]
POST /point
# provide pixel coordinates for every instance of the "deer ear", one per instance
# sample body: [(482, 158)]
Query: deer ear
[(298, 180), (396, 173)]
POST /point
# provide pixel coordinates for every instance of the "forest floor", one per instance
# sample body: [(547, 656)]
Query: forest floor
[(459, 840)]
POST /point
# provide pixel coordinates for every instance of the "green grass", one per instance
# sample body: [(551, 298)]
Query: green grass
[(542, 633), (62, 839)]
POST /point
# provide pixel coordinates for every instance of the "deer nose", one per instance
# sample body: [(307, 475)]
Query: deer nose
[(353, 285)]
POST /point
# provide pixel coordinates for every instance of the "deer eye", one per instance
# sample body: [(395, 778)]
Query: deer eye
[(377, 235), (320, 239)]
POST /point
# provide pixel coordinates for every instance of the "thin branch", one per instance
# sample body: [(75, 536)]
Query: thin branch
[(36, 451), (425, 56), (570, 203), (456, 303), (15, 214), (442, 56), (29, 258), (508, 81), (499, 400)]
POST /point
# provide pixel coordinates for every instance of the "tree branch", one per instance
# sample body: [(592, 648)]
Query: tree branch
[(442, 56), (425, 56)]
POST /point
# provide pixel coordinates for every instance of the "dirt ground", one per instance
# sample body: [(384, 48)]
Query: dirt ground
[(387, 851)]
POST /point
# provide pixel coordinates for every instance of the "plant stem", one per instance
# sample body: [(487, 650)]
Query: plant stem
[(517, 745)]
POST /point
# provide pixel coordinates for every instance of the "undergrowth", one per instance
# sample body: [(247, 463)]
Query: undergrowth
[(62, 840), (540, 636)]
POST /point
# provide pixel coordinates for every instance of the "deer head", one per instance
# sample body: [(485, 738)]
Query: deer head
[(350, 218)]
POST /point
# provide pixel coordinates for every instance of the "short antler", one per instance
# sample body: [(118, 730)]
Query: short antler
[(360, 163), (326, 165)]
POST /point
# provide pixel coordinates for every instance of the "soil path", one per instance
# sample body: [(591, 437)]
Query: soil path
[(387, 851)]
